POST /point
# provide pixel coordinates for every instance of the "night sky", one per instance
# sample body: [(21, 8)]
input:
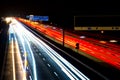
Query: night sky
[(60, 12), (58, 7)]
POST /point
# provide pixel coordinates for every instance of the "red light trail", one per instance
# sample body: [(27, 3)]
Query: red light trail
[(107, 52)]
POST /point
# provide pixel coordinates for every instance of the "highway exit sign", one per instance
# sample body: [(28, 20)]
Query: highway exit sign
[(38, 18)]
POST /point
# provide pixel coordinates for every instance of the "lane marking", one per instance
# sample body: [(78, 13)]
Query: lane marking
[(30, 77), (43, 59), (40, 54), (48, 65), (55, 73), (36, 50)]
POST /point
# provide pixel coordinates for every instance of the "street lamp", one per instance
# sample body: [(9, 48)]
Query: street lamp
[(63, 36)]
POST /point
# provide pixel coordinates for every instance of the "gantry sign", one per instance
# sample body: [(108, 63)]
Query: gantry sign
[(38, 18), (104, 22)]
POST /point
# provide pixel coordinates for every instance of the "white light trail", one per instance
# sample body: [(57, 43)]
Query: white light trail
[(14, 75), (34, 64), (12, 50), (55, 56), (72, 72), (21, 64), (12, 31), (20, 31)]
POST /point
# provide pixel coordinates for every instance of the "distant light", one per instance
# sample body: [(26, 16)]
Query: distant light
[(102, 31), (54, 27), (36, 23), (113, 41), (46, 26), (8, 19), (82, 37), (103, 42), (61, 29)]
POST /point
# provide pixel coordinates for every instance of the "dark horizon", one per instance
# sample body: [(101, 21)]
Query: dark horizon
[(60, 12), (57, 8)]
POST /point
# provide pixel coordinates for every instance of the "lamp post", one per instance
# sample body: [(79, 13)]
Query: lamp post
[(63, 36)]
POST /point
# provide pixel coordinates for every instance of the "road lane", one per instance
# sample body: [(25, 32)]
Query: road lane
[(14, 68), (110, 57), (62, 67)]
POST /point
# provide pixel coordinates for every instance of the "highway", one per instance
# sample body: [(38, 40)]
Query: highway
[(90, 68), (14, 67), (40, 61), (106, 52)]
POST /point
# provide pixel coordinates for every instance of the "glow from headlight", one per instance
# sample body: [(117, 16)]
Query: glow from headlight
[(113, 41), (72, 72), (20, 30), (67, 68), (8, 19), (82, 37), (64, 64), (23, 72)]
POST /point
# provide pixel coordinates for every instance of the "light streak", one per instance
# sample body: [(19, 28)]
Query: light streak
[(20, 60), (13, 61), (20, 30), (28, 36), (34, 64), (53, 55), (112, 58)]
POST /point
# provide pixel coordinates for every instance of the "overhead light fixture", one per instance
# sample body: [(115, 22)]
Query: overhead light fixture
[(82, 37), (113, 41)]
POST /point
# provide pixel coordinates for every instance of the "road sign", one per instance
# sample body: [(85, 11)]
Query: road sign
[(41, 18), (97, 28), (38, 18), (103, 22)]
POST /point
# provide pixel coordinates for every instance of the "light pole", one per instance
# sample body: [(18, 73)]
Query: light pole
[(63, 36)]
